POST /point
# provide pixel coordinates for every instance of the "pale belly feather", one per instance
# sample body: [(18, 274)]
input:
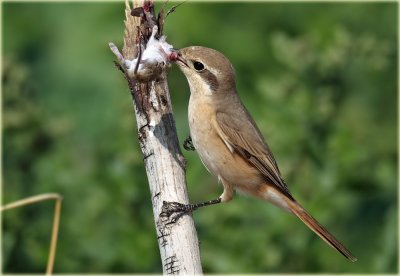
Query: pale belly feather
[(214, 153)]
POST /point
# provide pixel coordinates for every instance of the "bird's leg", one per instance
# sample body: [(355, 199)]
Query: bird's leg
[(139, 57), (173, 211), (188, 144)]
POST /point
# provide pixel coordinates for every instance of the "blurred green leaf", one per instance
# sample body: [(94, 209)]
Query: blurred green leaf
[(320, 79)]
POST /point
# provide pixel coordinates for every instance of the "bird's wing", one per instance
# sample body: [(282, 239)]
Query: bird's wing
[(247, 141)]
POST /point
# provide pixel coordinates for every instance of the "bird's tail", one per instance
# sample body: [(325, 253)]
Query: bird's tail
[(318, 229)]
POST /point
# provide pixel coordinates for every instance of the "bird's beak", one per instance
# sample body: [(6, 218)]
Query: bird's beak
[(182, 60), (178, 58)]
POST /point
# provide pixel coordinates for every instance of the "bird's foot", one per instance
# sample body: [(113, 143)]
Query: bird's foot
[(188, 144), (171, 212)]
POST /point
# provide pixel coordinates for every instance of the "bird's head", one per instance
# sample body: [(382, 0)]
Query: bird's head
[(208, 71)]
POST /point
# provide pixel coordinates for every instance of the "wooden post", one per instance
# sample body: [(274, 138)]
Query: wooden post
[(164, 162)]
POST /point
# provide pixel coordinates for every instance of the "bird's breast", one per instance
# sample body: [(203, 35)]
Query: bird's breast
[(213, 152), (204, 137)]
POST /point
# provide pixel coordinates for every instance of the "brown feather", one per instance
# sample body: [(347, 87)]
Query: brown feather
[(247, 140), (318, 229)]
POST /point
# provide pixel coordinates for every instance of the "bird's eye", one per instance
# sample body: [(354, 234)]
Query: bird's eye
[(198, 65)]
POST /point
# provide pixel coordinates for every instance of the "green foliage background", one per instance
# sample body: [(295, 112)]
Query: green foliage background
[(319, 78)]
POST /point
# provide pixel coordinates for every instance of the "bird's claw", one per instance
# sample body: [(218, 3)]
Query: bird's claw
[(171, 212), (188, 144)]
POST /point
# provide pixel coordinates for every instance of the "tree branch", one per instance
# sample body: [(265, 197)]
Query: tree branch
[(164, 162)]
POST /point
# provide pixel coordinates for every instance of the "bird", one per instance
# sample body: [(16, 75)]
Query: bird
[(230, 144)]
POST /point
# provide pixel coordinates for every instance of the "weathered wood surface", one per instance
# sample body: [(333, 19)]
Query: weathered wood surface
[(164, 162)]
